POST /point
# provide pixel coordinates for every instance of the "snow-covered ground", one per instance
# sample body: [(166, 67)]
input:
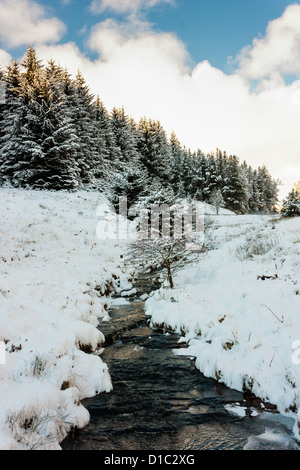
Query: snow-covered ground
[(56, 275), (242, 328)]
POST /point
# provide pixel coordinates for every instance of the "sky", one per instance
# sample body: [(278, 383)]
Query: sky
[(219, 73)]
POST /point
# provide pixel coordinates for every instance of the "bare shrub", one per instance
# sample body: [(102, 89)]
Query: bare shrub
[(37, 428), (255, 244)]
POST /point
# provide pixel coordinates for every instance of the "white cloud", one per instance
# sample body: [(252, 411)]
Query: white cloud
[(69, 55), (124, 6), (278, 52), (136, 45), (24, 22), (5, 58)]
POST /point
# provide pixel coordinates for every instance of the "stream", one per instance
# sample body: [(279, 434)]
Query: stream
[(160, 401)]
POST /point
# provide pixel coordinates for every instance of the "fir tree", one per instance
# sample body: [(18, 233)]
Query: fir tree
[(59, 169), (21, 139), (131, 181), (297, 187), (154, 148), (234, 192), (176, 162), (101, 164), (211, 177), (110, 151), (124, 136), (268, 190), (291, 205), (85, 129)]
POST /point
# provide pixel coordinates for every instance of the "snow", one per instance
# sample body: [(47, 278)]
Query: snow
[(56, 279), (241, 327), (236, 410), (237, 309), (119, 301), (209, 209), (270, 437), (128, 293)]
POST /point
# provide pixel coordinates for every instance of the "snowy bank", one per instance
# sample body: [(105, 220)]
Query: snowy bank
[(56, 277), (238, 308)]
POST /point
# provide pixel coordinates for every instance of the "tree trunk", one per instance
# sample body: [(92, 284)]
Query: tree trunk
[(170, 277)]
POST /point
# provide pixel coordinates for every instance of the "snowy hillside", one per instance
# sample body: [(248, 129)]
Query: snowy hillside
[(239, 308), (55, 278), (208, 209)]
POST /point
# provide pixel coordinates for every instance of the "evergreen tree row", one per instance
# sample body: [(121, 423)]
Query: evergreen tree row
[(55, 134)]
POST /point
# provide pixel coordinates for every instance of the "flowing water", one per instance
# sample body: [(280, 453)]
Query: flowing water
[(160, 401)]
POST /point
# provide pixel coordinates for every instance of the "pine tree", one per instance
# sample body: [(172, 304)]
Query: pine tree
[(176, 162), (221, 162), (235, 190), (296, 186), (21, 140), (199, 175), (2, 99), (195, 177), (211, 176), (130, 181), (181, 192), (154, 148), (85, 129), (187, 176), (268, 189), (291, 205), (10, 124), (101, 164), (124, 137), (111, 151), (254, 194), (59, 168)]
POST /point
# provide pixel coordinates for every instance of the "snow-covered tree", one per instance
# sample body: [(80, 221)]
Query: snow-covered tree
[(82, 106), (235, 186), (111, 151), (254, 193), (21, 148), (176, 165), (154, 148), (296, 186), (216, 199), (291, 205), (211, 176), (268, 190), (130, 180), (168, 242), (59, 168), (103, 136)]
